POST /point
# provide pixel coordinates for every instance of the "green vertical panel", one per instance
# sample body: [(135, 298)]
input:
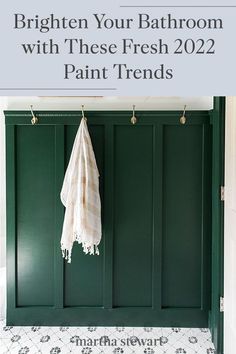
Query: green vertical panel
[(133, 206), (182, 216), (59, 215), (157, 215), (108, 225), (206, 215), (11, 218), (84, 276), (35, 161)]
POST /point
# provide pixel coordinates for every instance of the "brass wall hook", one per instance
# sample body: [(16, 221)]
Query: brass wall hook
[(183, 118), (133, 118), (82, 110), (34, 119)]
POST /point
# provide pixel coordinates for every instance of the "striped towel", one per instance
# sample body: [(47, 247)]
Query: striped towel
[(80, 196)]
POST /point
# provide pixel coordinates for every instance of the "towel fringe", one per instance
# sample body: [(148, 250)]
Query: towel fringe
[(87, 248), (66, 254)]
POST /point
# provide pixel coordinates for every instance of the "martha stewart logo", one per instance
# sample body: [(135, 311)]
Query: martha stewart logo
[(129, 341)]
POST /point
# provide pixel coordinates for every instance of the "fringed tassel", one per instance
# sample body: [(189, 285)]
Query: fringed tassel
[(87, 250), (91, 249), (66, 254)]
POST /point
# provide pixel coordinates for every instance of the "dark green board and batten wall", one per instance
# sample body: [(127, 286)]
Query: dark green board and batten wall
[(154, 267)]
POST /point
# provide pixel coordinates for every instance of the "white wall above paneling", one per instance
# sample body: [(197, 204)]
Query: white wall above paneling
[(107, 103)]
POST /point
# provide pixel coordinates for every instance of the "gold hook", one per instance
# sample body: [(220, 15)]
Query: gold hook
[(82, 109), (133, 119), (183, 118), (34, 119)]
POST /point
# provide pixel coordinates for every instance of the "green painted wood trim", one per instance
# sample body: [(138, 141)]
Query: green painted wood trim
[(221, 231), (109, 217), (76, 114), (59, 213), (111, 317), (203, 209), (206, 214), (216, 318), (121, 117), (157, 206), (11, 218)]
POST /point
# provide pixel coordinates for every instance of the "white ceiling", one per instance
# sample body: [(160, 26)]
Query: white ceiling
[(106, 103)]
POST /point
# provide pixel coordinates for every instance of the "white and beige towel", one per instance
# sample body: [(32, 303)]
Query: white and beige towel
[(80, 196)]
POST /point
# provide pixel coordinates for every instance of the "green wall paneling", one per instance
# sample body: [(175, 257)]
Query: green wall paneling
[(133, 219), (183, 205), (155, 180), (35, 209)]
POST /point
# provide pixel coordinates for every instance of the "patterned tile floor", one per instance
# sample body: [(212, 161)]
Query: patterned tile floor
[(104, 340)]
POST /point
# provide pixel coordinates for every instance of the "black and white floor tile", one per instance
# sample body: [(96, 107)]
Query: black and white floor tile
[(104, 340)]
